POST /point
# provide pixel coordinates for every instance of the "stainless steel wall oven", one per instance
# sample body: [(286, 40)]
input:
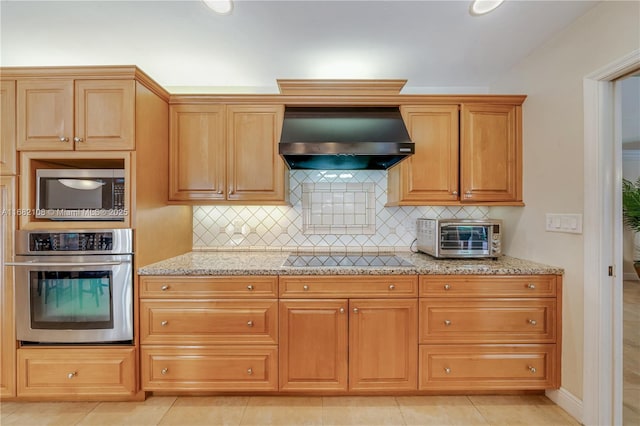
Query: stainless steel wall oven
[(74, 286)]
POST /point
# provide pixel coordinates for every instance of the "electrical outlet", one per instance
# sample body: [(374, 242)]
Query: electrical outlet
[(564, 222)]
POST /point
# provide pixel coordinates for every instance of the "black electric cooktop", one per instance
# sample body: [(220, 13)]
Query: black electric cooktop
[(359, 260)]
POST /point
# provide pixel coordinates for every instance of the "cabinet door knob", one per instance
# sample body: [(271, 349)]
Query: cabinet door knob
[(342, 310), (78, 139), (305, 287), (532, 286), (533, 322), (532, 369), (356, 310), (72, 375), (447, 287), (164, 288), (454, 193), (447, 370), (250, 287), (447, 323), (164, 371), (250, 371), (230, 192), (220, 192), (249, 323), (164, 323), (63, 139), (392, 287)]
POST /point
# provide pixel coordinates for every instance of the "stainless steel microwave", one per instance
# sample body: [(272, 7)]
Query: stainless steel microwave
[(80, 194), (460, 238)]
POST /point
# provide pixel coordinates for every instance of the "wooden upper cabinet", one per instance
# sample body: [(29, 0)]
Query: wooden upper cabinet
[(491, 153), (227, 154), (59, 115), (431, 174), (8, 128), (255, 170), (197, 152)]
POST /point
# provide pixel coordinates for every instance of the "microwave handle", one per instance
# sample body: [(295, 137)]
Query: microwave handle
[(36, 263)]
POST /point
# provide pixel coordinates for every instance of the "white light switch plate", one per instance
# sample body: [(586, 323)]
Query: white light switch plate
[(564, 222)]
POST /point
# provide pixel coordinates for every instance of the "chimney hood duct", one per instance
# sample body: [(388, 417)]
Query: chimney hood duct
[(344, 138)]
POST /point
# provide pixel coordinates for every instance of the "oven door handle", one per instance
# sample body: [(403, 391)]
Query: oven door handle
[(36, 263)]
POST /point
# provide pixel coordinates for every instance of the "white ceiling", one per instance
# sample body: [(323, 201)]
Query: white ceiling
[(436, 45)]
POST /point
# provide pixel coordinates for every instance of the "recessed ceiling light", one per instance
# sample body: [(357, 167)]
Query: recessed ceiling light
[(480, 7), (221, 7)]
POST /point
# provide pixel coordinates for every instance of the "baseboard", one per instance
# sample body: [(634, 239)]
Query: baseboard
[(567, 401), (630, 276)]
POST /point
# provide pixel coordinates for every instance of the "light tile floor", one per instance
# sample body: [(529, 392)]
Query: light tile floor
[(283, 410), (631, 353)]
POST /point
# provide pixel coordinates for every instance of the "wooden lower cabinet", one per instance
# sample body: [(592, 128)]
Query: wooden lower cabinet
[(99, 372), (488, 367), (202, 368), (382, 349)]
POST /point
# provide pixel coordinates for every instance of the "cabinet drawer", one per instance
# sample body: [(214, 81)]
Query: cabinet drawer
[(224, 368), (218, 287), (203, 322), (77, 372), (487, 321), (348, 286), (488, 285), (484, 367)]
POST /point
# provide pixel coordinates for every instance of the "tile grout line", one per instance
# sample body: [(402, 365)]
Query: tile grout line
[(244, 411), (89, 412), (478, 411), (168, 409), (404, 421)]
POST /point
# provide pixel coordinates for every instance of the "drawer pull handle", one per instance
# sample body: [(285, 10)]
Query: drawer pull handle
[(72, 375), (305, 287), (250, 371), (342, 310), (447, 287), (532, 286), (356, 310), (249, 323), (164, 288), (164, 371), (447, 370), (533, 322), (532, 369), (392, 287), (447, 323), (164, 323)]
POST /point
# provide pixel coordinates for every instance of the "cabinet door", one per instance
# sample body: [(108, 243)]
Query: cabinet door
[(197, 153), (431, 174), (7, 324), (383, 344), (44, 115), (491, 153), (313, 345), (8, 128), (255, 170), (105, 115)]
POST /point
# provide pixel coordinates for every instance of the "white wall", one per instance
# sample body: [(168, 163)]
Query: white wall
[(552, 77)]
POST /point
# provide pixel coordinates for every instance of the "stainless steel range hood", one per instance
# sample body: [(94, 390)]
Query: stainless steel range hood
[(344, 138)]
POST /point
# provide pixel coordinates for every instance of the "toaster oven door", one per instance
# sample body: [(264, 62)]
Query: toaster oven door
[(465, 240)]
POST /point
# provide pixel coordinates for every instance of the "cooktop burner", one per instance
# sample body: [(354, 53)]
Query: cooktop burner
[(314, 260)]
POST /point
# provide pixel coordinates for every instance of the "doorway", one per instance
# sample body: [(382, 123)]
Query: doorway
[(603, 384)]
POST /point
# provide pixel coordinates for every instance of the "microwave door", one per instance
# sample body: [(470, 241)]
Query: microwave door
[(73, 193)]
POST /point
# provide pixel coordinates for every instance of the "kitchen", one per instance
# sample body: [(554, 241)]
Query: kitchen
[(524, 237)]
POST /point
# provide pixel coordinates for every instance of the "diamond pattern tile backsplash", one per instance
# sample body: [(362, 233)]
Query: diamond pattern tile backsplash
[(337, 210)]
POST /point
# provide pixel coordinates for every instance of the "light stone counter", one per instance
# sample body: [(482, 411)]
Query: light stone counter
[(271, 263)]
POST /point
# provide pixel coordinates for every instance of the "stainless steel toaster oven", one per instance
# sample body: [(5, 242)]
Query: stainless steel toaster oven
[(460, 238)]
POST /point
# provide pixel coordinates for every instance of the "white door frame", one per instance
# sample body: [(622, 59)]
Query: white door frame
[(602, 374)]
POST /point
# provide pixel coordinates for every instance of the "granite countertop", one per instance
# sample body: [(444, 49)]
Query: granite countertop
[(271, 263)]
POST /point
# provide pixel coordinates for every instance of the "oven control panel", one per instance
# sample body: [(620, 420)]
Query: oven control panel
[(70, 241)]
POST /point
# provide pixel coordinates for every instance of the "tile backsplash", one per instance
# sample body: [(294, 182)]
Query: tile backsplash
[(337, 210)]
